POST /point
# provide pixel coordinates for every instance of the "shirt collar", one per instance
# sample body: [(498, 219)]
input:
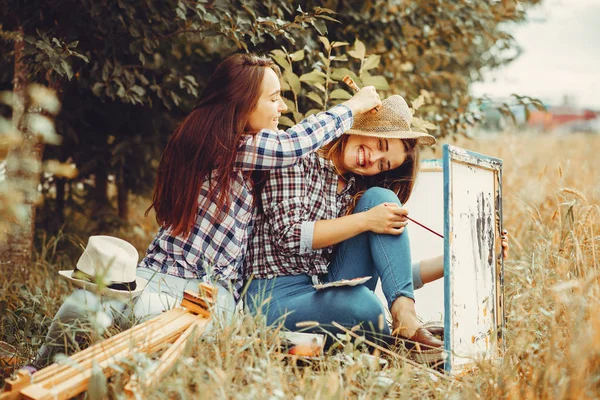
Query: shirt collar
[(328, 165)]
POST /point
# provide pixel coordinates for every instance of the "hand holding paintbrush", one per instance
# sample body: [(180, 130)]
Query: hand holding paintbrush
[(352, 85), (364, 100)]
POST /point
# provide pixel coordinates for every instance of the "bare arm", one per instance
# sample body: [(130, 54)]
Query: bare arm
[(333, 231), (433, 268), (387, 218)]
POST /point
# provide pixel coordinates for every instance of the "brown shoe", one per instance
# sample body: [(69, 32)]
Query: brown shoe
[(423, 339), (423, 347), (436, 328)]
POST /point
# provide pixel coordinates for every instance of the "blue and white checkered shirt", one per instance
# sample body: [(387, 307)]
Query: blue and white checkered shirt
[(218, 245)]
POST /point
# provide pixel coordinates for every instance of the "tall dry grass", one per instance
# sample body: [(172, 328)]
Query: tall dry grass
[(551, 188)]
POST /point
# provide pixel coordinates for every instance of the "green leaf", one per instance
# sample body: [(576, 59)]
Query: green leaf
[(325, 60), (297, 116), (297, 56), (325, 42), (140, 91), (98, 88), (422, 124), (283, 120), (320, 26), (293, 80), (282, 61), (340, 94), (316, 98), (339, 73), (313, 77), (321, 10), (67, 68), (339, 44), (312, 111), (327, 17), (378, 81), (359, 50), (320, 87), (81, 56), (290, 104), (418, 102), (278, 52), (371, 62)]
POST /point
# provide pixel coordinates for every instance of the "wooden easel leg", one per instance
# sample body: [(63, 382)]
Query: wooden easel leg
[(166, 361), (67, 386)]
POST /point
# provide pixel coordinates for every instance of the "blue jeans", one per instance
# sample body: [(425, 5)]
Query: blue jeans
[(293, 299), (84, 314)]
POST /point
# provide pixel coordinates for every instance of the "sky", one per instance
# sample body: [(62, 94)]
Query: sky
[(561, 56)]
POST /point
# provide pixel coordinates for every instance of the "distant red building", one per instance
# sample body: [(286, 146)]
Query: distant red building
[(557, 116)]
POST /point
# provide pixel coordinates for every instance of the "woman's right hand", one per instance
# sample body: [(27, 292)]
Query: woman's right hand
[(366, 99), (386, 218)]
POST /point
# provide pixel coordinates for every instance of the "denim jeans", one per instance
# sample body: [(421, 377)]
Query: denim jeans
[(84, 312), (293, 299)]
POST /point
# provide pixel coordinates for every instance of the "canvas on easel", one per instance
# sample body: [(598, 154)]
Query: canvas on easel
[(461, 197), (473, 265)]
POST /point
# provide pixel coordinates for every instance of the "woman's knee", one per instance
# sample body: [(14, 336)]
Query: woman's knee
[(86, 307), (79, 304), (375, 196), (366, 309)]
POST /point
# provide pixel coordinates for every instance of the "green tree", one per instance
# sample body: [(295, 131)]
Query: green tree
[(421, 47), (124, 71)]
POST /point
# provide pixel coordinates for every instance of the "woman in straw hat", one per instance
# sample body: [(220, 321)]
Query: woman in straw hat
[(204, 190), (338, 215)]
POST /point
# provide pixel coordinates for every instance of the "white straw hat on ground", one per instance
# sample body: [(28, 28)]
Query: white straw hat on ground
[(392, 121), (112, 261)]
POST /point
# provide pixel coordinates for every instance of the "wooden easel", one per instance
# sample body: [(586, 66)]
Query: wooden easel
[(175, 327)]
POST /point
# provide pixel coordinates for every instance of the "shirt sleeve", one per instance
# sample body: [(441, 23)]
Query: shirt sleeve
[(307, 233), (416, 273), (279, 149), (283, 198)]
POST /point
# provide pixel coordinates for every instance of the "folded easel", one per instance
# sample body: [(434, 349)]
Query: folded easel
[(174, 327)]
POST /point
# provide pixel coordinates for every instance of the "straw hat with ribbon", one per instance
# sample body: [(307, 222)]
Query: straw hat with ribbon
[(392, 121), (112, 260)]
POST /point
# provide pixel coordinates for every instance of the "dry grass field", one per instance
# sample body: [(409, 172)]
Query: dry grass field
[(552, 211)]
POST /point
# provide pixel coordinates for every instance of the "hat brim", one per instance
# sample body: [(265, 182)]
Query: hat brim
[(422, 138), (92, 287)]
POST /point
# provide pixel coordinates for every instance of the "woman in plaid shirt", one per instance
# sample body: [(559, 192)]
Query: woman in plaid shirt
[(339, 215), (204, 191)]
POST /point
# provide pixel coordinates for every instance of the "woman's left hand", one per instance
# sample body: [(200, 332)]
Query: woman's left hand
[(504, 244)]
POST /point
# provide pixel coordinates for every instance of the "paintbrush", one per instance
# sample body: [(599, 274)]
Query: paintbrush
[(352, 85)]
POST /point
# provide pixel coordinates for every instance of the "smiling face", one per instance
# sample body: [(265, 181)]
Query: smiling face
[(270, 104), (367, 156)]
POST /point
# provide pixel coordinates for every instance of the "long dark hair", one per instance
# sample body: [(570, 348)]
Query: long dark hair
[(205, 144), (400, 180)]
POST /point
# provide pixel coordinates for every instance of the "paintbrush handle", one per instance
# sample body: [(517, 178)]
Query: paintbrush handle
[(352, 85), (423, 226)]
